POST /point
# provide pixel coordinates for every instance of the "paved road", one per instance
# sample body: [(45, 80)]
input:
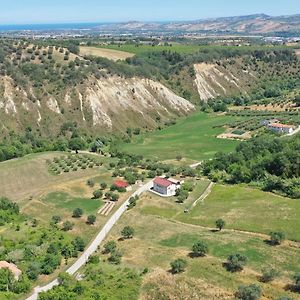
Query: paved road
[(294, 132), (96, 242), (194, 166)]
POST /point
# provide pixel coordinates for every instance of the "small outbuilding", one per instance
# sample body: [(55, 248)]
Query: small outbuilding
[(121, 184)]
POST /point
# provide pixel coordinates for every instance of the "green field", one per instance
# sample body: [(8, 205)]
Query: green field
[(248, 209), (144, 49), (179, 48), (193, 137), (159, 240), (241, 207), (67, 202)]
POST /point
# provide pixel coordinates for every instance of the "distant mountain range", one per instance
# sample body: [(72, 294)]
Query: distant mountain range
[(258, 24)]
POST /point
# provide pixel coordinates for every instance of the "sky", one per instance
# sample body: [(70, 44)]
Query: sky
[(73, 11)]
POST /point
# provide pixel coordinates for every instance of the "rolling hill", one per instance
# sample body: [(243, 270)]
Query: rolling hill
[(257, 24)]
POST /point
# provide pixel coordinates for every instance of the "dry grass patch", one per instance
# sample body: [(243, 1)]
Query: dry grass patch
[(106, 53), (28, 177), (161, 285), (159, 241)]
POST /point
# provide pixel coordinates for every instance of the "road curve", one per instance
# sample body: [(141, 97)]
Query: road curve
[(94, 245)]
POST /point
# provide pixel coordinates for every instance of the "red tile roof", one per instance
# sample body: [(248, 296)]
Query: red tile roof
[(277, 125), (121, 184), (162, 182)]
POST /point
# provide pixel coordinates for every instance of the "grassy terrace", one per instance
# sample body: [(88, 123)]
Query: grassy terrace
[(242, 208), (159, 239), (193, 137)]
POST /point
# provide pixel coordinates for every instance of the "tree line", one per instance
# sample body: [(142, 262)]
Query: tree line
[(272, 163)]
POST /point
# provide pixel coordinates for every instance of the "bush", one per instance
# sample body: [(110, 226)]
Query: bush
[(114, 197), (67, 226), (56, 219), (78, 244), (297, 282), (269, 275), (276, 238), (250, 292), (127, 232), (94, 260), (199, 249), (103, 185), (132, 202), (91, 219), (236, 262), (220, 224), (90, 183), (115, 257), (178, 265), (77, 213), (110, 247), (97, 194)]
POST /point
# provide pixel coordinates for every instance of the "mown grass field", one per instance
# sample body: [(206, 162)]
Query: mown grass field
[(241, 207), (67, 202), (159, 240), (193, 137)]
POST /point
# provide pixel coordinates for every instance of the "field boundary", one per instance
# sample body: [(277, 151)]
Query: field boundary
[(204, 195)]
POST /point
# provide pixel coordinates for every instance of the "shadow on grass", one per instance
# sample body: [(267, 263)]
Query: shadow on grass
[(292, 288), (230, 269), (271, 243), (122, 239), (195, 255)]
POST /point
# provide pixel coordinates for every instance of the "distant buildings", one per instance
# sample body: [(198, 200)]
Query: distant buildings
[(165, 187), (281, 128), (274, 125)]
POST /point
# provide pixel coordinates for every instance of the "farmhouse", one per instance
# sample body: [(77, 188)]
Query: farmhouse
[(12, 267), (281, 128), (165, 187)]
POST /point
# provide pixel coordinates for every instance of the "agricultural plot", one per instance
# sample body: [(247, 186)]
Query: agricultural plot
[(252, 123), (144, 49), (106, 53), (72, 163), (241, 207), (194, 137), (159, 240), (289, 117), (67, 202), (29, 176)]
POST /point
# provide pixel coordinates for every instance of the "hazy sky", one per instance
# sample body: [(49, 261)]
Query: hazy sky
[(65, 11)]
